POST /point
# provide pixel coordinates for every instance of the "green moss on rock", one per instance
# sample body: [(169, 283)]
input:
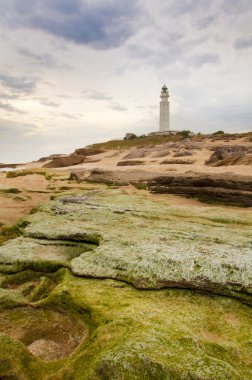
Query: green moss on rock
[(165, 334)]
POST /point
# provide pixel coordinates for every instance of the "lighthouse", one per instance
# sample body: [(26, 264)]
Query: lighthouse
[(164, 119)]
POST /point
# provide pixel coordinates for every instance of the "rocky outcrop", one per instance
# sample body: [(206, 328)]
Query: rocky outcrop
[(127, 246), (115, 177), (236, 190), (130, 136), (51, 157), (11, 166), (88, 151), (183, 153), (62, 300), (177, 162), (161, 153), (136, 153), (65, 161), (130, 163), (231, 155)]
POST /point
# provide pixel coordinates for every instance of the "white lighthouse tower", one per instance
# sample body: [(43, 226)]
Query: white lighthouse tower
[(164, 120)]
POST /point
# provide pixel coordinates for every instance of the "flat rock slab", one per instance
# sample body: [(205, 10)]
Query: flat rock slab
[(145, 242)]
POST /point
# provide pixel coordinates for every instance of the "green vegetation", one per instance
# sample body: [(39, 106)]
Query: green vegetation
[(11, 232), (140, 241), (24, 172), (138, 142), (11, 190), (145, 141), (185, 134), (104, 329), (68, 309)]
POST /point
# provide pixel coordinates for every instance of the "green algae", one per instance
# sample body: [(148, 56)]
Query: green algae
[(166, 334), (143, 241), (151, 334)]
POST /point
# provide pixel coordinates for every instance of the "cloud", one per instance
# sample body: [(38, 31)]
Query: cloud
[(96, 95), (236, 6), (243, 43), (10, 130), (46, 60), (5, 95), (205, 22), (48, 103), (179, 8), (18, 84), (70, 116), (9, 108), (118, 107), (202, 59), (102, 25)]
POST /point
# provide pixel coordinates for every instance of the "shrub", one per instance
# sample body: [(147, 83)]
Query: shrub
[(218, 133)]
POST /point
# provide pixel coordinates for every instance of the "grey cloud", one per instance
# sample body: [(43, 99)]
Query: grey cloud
[(100, 24), (9, 108), (11, 130), (96, 95), (18, 84), (70, 116), (48, 103), (117, 107), (204, 22), (243, 43), (46, 60), (5, 96), (236, 6), (202, 59), (63, 96), (181, 7)]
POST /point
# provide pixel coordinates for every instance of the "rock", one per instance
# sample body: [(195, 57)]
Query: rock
[(51, 157), (232, 155), (174, 253), (161, 153), (136, 153), (182, 154), (130, 136), (11, 166), (118, 177), (65, 161), (177, 162), (130, 163), (88, 151), (228, 189), (185, 333), (100, 326)]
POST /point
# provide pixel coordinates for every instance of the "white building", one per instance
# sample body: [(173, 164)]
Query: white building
[(164, 118)]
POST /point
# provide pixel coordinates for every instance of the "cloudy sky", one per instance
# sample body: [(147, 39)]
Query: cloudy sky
[(75, 72)]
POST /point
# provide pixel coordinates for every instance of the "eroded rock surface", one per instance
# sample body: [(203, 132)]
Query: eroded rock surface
[(231, 155), (65, 161), (228, 189), (146, 243), (104, 329), (80, 322)]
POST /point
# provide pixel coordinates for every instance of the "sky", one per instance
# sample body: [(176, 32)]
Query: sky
[(76, 72)]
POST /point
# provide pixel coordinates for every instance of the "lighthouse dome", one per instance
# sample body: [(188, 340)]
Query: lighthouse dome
[(164, 88)]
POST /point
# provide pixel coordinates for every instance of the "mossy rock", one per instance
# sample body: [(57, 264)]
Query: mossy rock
[(165, 334), (148, 243), (131, 334)]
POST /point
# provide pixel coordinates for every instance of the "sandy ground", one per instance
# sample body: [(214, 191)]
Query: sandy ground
[(32, 192), (109, 160)]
